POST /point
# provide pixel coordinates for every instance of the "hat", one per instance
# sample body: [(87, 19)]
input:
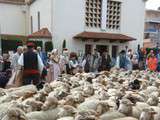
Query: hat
[(30, 44)]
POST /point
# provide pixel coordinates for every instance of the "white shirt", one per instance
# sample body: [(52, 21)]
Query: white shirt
[(40, 63)]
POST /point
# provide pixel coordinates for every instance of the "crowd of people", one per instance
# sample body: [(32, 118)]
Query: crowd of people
[(30, 65)]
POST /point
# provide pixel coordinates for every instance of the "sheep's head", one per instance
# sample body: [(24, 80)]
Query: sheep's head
[(102, 107), (153, 101), (50, 103), (69, 100), (86, 115), (16, 114), (67, 110), (47, 88), (125, 106), (2, 92), (147, 114), (36, 105), (78, 96), (88, 90)]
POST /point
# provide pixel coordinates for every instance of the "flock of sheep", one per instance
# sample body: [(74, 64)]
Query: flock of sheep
[(114, 95)]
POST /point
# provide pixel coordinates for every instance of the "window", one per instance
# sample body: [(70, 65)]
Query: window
[(113, 15), (39, 21), (93, 13), (31, 24)]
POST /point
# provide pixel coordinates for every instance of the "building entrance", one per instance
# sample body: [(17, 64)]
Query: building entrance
[(102, 48)]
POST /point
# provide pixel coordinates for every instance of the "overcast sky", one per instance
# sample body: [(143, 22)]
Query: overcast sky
[(153, 4)]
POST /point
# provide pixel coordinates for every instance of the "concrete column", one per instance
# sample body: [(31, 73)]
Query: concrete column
[(110, 49), (104, 15)]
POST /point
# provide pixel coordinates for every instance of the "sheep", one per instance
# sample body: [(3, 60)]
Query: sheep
[(111, 115), (15, 114), (33, 104), (99, 106), (126, 118), (44, 115), (50, 103), (22, 91), (86, 115), (66, 118), (153, 100), (66, 110), (147, 114), (127, 108)]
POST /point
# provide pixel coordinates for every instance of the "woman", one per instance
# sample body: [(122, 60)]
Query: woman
[(73, 63), (54, 67), (152, 62)]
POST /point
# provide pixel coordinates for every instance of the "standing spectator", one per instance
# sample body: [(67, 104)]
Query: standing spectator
[(94, 61), (32, 66), (105, 62), (130, 54), (64, 61), (14, 65), (152, 62), (122, 60), (158, 58), (42, 54), (16, 56), (129, 60), (73, 63), (135, 62), (141, 59), (87, 63), (54, 66), (6, 62)]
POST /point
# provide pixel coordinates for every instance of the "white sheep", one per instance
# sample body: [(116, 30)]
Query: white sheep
[(111, 115)]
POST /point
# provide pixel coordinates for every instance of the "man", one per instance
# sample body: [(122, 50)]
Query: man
[(15, 66), (32, 66), (105, 62), (95, 60), (42, 54), (64, 61), (123, 61), (16, 56)]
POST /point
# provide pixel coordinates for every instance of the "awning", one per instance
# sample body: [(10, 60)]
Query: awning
[(104, 36), (13, 37), (42, 33)]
